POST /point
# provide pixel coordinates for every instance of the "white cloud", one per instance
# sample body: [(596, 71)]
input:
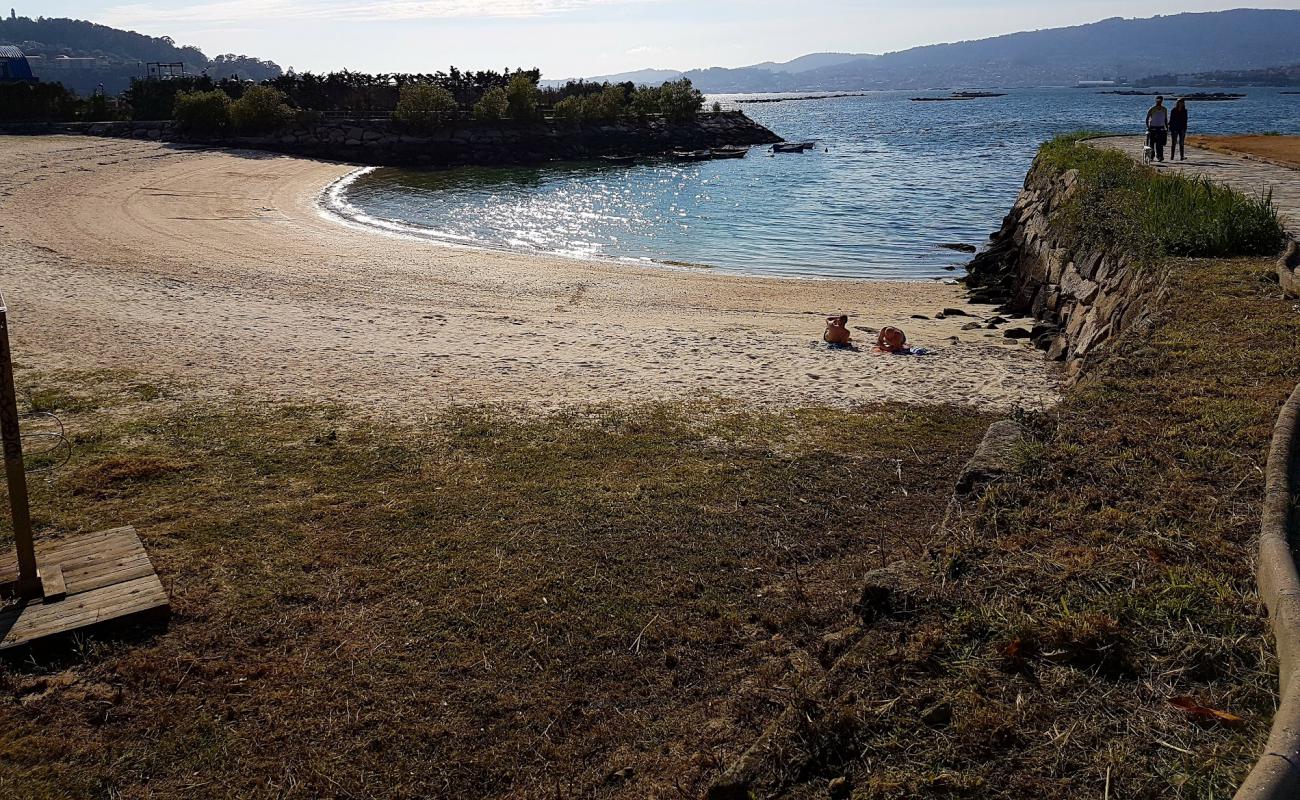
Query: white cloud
[(239, 11), (648, 50)]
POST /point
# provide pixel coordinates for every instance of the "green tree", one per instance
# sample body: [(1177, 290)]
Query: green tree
[(262, 109), (570, 109), (97, 108), (492, 105), (645, 101), (521, 97), (607, 106), (203, 113), (679, 100), (424, 106)]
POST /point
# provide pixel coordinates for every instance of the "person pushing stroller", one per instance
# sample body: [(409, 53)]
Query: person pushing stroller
[(1158, 127)]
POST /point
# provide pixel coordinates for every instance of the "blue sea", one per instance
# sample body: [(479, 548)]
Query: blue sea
[(889, 181)]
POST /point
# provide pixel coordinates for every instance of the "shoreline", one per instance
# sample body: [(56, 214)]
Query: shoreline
[(332, 197), (218, 267)]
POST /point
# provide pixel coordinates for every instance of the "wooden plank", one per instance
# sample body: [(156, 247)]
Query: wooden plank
[(53, 545), (52, 585), (65, 548), (92, 544), (106, 575), (118, 576), (80, 568), (120, 541), (38, 620)]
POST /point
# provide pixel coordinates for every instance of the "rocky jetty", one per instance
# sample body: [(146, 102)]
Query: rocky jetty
[(1080, 300), (381, 142)]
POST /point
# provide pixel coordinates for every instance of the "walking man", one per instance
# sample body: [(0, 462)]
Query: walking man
[(1158, 127)]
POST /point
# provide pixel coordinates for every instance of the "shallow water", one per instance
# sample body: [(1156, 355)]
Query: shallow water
[(890, 181)]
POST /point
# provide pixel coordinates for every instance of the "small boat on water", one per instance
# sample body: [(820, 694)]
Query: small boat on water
[(621, 161), (692, 155), (729, 151), (792, 147)]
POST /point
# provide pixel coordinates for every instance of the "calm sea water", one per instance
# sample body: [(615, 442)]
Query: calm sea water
[(890, 181)]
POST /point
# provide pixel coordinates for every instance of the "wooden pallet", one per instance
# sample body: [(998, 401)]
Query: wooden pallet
[(88, 579)]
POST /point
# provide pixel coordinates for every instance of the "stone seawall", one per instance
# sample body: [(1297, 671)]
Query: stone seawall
[(1081, 300), (381, 142)]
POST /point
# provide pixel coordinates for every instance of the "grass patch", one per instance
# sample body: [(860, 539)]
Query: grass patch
[(1060, 615), (1151, 214), (604, 602)]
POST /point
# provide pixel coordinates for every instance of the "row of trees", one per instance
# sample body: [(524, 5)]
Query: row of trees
[(362, 92), (424, 105), (261, 109), (51, 102), (482, 94), (676, 100), (416, 101)]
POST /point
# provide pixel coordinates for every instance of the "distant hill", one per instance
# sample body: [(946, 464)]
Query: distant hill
[(811, 61), (82, 55), (768, 72), (1242, 39), (639, 77)]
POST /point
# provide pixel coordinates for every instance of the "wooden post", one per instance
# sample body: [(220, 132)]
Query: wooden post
[(29, 582)]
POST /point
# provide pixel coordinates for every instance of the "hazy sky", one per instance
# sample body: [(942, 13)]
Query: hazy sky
[(581, 37)]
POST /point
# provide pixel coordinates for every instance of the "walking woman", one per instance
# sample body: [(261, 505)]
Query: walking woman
[(1178, 130)]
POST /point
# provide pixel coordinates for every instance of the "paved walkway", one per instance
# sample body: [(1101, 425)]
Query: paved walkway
[(1246, 175)]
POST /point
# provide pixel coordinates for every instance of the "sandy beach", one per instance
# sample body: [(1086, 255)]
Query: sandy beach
[(221, 267)]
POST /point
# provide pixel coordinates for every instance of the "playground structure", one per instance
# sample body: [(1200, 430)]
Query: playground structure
[(162, 70), (69, 583)]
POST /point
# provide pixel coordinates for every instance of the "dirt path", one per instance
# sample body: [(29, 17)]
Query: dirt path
[(1283, 150), (219, 266)]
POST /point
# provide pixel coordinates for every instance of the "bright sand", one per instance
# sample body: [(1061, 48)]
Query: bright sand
[(220, 267)]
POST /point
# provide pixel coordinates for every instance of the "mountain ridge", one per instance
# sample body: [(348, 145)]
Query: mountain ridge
[(1112, 48), (60, 49)]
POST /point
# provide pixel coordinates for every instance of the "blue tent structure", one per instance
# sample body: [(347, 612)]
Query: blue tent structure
[(14, 66)]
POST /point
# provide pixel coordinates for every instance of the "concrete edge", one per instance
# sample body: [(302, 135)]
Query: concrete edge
[(993, 460), (1277, 773)]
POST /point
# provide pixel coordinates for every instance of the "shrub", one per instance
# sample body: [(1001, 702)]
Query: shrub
[(717, 107), (98, 108), (262, 109), (679, 100), (492, 105), (27, 101), (203, 113), (152, 99), (424, 106), (1151, 214), (645, 101), (521, 98), (607, 106), (570, 109)]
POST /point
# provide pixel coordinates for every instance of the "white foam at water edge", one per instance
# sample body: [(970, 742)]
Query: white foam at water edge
[(334, 206)]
